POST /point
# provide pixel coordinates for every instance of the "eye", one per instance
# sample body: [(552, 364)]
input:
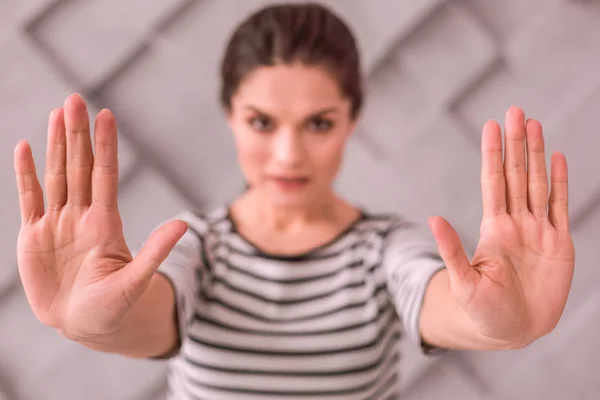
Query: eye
[(320, 125), (262, 124)]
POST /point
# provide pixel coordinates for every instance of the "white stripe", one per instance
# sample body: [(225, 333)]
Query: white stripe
[(326, 322), (330, 341), (328, 362), (206, 393), (404, 269), (287, 312), (258, 382), (299, 291), (282, 270)]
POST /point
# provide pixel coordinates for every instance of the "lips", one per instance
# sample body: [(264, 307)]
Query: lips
[(290, 183)]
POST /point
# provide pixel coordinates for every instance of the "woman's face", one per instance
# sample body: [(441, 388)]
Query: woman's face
[(290, 124)]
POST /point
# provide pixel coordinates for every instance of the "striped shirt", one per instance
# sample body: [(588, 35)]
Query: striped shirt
[(322, 325)]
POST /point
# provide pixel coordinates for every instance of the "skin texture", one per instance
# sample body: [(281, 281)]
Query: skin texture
[(288, 121), (77, 271), (515, 288)]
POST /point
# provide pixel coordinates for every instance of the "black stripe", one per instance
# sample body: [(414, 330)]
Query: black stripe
[(211, 217), (212, 300), (261, 297), (356, 389), (295, 281), (188, 392), (391, 348), (341, 268), (382, 309), (312, 353), (304, 256), (265, 299), (203, 256), (368, 223), (317, 256), (312, 255), (387, 384)]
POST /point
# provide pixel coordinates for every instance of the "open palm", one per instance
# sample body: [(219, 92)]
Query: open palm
[(77, 271), (516, 286)]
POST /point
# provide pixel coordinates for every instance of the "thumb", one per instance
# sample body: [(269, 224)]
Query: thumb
[(463, 277), (155, 251)]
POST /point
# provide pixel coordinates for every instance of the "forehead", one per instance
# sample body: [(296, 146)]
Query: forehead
[(290, 89)]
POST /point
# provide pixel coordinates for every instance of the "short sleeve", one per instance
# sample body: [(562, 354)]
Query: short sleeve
[(184, 268), (410, 259)]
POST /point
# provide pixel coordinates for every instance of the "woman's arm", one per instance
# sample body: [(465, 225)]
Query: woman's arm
[(420, 287)]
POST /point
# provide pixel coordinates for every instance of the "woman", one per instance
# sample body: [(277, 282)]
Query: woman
[(290, 291)]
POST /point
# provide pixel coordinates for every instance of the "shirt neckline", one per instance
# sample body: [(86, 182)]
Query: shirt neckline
[(297, 256)]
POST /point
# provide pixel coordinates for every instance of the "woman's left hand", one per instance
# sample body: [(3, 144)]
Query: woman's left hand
[(515, 288)]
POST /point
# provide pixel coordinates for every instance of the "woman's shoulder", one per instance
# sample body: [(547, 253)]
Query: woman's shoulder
[(396, 229), (204, 221), (400, 232), (384, 221)]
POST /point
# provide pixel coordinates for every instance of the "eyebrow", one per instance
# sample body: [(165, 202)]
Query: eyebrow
[(313, 115)]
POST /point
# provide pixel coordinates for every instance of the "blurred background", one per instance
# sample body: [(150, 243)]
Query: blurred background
[(436, 71)]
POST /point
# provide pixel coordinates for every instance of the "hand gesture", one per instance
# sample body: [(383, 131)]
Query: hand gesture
[(77, 271), (515, 288)]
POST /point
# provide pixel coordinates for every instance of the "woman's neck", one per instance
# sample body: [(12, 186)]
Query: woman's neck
[(251, 207)]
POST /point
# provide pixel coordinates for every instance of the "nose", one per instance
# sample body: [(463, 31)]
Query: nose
[(288, 148)]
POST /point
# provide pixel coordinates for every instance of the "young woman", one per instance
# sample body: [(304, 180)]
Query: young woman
[(289, 291)]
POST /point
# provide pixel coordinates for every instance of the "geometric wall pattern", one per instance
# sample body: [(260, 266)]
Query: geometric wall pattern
[(436, 71)]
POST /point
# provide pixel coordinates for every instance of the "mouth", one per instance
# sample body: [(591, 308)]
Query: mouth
[(290, 183)]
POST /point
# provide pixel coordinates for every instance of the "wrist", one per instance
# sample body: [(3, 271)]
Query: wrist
[(95, 341), (520, 339)]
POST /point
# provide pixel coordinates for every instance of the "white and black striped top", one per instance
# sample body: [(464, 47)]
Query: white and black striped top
[(322, 325)]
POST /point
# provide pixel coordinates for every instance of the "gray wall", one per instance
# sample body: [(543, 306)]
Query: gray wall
[(437, 70)]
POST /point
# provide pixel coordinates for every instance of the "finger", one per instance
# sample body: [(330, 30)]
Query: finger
[(31, 197), (559, 193), (55, 178), (105, 175), (492, 171), (514, 161), (80, 158), (154, 253), (537, 177), (463, 277)]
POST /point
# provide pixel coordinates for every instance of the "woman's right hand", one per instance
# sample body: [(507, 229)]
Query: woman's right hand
[(77, 271)]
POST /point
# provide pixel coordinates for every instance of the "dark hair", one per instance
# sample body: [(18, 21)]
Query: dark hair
[(308, 33)]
